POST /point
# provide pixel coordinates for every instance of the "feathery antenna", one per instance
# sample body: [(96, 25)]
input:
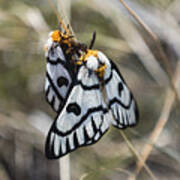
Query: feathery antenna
[(59, 18)]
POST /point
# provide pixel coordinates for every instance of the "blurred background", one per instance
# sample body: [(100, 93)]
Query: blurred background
[(149, 66)]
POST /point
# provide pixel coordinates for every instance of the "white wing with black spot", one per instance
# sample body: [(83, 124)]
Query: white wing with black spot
[(83, 120), (58, 79), (118, 97)]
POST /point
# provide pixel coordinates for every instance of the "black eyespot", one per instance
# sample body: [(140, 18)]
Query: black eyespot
[(120, 88), (74, 108), (62, 81)]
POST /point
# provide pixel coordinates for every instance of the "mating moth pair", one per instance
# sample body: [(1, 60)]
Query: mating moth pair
[(87, 92)]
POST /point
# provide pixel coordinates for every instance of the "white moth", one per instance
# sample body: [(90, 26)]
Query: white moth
[(86, 112)]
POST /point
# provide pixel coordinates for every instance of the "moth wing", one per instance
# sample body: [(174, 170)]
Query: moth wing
[(121, 101), (82, 121), (118, 96), (58, 79)]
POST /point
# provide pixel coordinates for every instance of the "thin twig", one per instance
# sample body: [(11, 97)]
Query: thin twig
[(170, 98), (158, 46), (137, 155), (155, 134), (146, 28), (64, 165)]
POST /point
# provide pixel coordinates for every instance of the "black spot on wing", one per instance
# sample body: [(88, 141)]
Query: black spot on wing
[(120, 88), (74, 108), (62, 81)]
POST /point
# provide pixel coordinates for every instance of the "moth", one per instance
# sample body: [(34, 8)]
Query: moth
[(87, 92)]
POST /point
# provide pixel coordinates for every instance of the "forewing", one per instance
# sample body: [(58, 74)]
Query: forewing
[(58, 79), (83, 120), (120, 100)]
